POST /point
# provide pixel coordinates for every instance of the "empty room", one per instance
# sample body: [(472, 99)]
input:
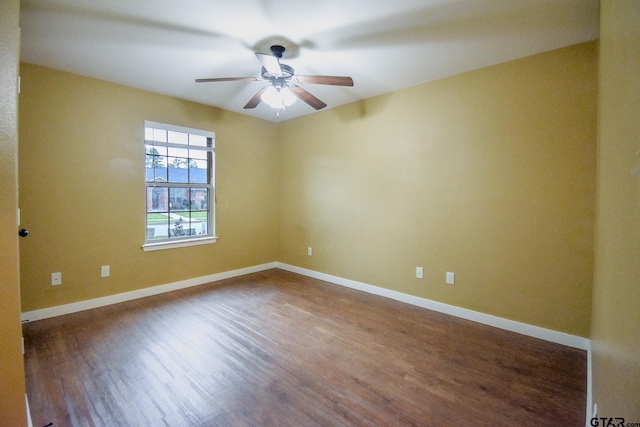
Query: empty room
[(296, 213)]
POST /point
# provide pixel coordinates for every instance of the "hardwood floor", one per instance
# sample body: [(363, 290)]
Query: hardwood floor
[(279, 349)]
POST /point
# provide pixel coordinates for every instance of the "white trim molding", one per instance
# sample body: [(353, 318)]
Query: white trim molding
[(74, 307), (26, 403), (475, 316), (590, 402), (178, 244)]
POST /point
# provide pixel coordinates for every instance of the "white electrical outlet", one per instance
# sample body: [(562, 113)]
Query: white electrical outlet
[(450, 278), (105, 271), (419, 273), (309, 251), (56, 279)]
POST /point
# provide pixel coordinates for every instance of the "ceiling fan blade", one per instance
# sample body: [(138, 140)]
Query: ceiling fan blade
[(308, 98), (253, 102), (326, 80), (271, 64), (228, 79)]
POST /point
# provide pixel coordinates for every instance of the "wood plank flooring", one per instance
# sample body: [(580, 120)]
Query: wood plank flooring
[(278, 349)]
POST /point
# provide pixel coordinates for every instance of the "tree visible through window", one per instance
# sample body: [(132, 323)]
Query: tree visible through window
[(179, 182)]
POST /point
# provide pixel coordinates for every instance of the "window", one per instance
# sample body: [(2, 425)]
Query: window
[(179, 184)]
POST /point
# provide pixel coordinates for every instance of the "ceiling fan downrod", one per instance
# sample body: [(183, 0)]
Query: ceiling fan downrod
[(277, 50)]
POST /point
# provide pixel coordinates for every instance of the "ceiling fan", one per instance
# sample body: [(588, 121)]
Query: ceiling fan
[(283, 89)]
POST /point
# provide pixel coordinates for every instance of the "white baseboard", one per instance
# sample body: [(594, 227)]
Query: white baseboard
[(569, 340), (487, 319), (60, 310), (589, 385), (26, 402)]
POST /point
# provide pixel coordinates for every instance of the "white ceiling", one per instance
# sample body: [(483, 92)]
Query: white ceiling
[(384, 45)]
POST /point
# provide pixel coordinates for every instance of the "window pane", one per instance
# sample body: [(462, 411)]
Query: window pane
[(155, 161), (197, 163), (157, 199), (198, 171), (157, 225), (199, 199), (179, 162), (178, 137), (157, 175), (158, 231), (198, 140), (178, 152), (199, 221), (181, 224), (155, 158), (198, 154), (155, 150), (179, 199), (178, 171), (150, 161), (160, 135)]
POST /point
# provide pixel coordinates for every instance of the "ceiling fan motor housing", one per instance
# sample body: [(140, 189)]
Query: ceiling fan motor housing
[(287, 72)]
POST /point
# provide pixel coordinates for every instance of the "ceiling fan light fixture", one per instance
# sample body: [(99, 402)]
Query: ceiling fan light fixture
[(284, 89), (278, 97)]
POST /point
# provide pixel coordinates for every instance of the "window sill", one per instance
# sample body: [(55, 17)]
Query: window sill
[(147, 247)]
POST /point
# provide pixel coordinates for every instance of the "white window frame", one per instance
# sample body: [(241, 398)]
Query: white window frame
[(189, 240)]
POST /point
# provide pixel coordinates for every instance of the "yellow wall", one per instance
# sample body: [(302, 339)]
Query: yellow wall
[(616, 301), (488, 174), (82, 189), (12, 386)]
